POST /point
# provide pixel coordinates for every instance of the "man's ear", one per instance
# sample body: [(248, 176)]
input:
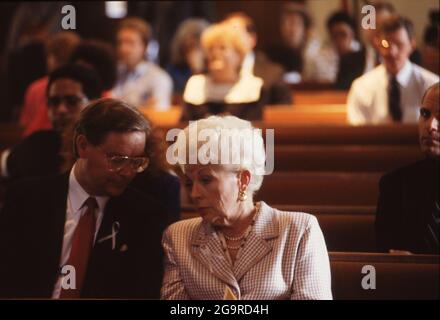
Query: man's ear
[(81, 146)]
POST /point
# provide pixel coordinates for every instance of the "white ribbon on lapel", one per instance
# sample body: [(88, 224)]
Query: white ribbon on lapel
[(115, 231)]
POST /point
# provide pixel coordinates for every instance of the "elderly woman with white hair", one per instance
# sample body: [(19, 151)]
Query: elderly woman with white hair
[(224, 89), (237, 249)]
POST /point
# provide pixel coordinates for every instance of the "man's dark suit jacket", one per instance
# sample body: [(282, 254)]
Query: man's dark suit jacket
[(406, 200), (31, 236)]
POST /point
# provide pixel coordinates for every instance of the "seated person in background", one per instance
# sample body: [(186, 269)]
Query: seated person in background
[(392, 91), (224, 89), (370, 55), (299, 48), (239, 249), (257, 63), (140, 83), (341, 28), (69, 89), (58, 51), (88, 220), (408, 211), (187, 56), (431, 57), (94, 54), (99, 55)]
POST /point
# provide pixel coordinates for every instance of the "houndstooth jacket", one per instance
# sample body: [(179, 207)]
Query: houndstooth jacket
[(284, 257)]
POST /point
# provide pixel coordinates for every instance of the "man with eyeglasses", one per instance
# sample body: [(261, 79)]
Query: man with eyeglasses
[(408, 211), (391, 92), (69, 89), (86, 233)]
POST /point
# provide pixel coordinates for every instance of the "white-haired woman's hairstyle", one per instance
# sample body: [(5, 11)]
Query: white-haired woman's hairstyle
[(227, 141)]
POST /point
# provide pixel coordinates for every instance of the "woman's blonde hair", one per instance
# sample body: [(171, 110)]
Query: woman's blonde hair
[(225, 33)]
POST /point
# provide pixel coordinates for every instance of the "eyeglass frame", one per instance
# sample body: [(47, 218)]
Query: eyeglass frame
[(138, 170)]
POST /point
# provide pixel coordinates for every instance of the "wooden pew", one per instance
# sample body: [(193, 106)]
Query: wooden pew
[(345, 228), (303, 134), (397, 276), (319, 97), (365, 158), (284, 114), (321, 188), (319, 114), (316, 188)]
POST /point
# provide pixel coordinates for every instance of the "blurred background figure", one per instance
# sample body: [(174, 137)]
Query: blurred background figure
[(59, 49), (99, 55), (343, 42), (187, 56), (24, 53), (299, 46), (391, 92), (95, 54), (224, 88), (257, 63), (69, 89), (384, 10), (431, 43), (139, 82)]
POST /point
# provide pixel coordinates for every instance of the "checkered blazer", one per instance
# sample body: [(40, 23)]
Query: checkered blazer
[(284, 257)]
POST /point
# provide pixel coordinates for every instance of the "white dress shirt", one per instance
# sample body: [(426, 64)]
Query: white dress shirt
[(367, 101), (146, 81), (76, 198), (247, 67)]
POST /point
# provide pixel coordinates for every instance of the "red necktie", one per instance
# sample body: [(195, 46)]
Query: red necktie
[(82, 244)]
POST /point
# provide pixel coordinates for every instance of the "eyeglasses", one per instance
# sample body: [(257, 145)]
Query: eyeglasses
[(117, 163), (70, 101)]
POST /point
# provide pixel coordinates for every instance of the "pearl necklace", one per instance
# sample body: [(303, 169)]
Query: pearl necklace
[(244, 235)]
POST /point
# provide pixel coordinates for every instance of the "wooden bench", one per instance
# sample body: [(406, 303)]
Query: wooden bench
[(348, 229), (397, 276), (366, 158), (319, 96), (285, 114), (316, 188), (321, 188), (303, 134)]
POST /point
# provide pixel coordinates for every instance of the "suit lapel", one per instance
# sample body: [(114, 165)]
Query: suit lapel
[(58, 206), (208, 250), (257, 246)]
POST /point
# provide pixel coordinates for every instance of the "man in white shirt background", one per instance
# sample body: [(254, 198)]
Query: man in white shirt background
[(392, 91), (140, 83)]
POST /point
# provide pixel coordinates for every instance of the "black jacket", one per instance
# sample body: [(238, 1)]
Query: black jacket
[(406, 200), (31, 234)]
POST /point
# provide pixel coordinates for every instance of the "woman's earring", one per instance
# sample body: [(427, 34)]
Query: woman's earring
[(242, 195)]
